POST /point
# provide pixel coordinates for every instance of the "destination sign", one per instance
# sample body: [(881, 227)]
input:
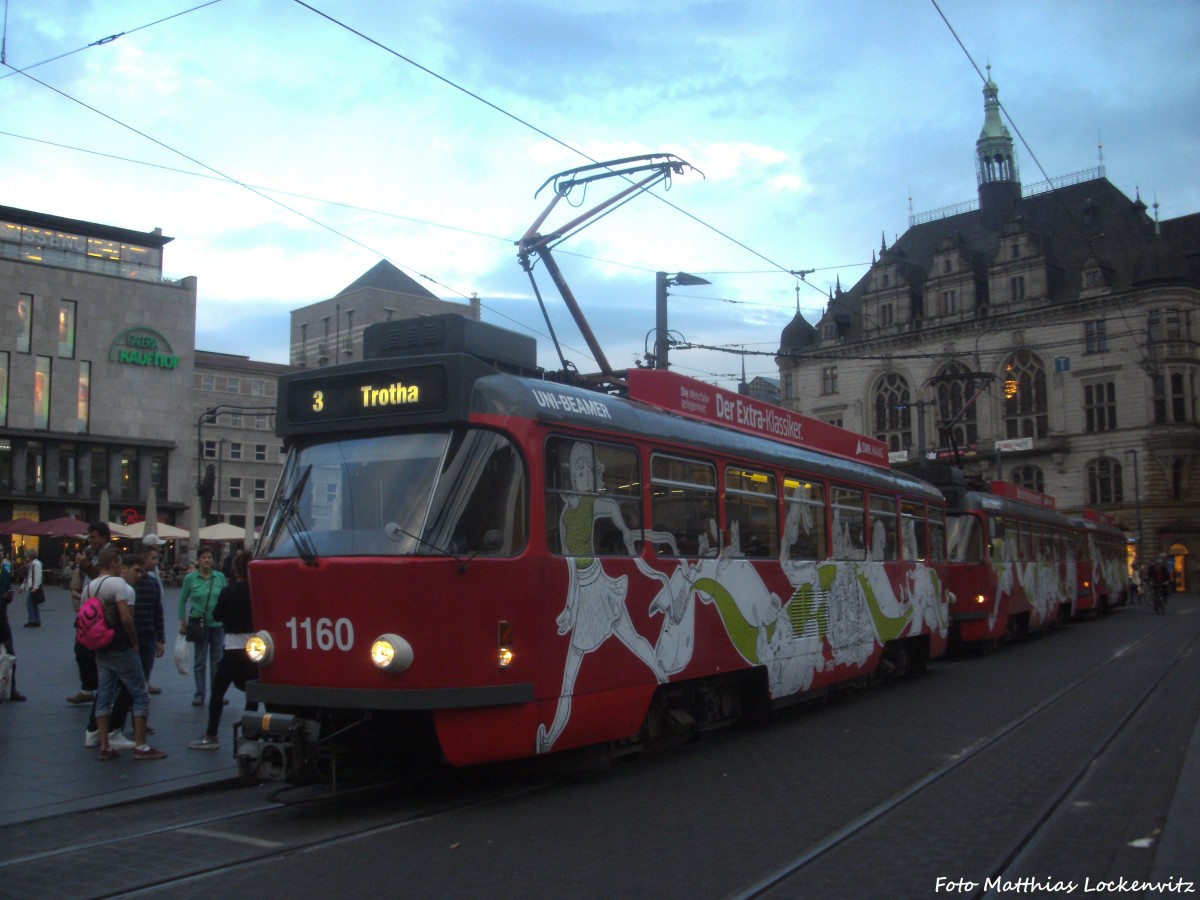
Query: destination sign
[(697, 400), (367, 395), (1024, 494)]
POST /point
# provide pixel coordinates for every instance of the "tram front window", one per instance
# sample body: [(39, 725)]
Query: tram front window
[(430, 494), (966, 539)]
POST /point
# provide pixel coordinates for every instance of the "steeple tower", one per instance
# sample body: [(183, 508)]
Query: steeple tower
[(995, 162)]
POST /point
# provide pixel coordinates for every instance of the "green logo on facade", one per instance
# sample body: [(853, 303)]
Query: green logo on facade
[(143, 347)]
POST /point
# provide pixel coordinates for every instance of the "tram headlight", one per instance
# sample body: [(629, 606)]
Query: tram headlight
[(504, 654), (980, 599), (391, 653), (260, 648)]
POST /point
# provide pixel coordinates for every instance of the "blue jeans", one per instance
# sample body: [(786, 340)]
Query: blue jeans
[(204, 652), (34, 611), (124, 667), (147, 645)]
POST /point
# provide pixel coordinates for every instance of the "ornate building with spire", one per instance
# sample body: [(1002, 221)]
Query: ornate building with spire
[(1048, 336)]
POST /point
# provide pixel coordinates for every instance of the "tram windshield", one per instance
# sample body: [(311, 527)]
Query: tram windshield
[(458, 493), (966, 539)]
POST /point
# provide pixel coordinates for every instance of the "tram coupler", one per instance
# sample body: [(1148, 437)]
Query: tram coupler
[(276, 747)]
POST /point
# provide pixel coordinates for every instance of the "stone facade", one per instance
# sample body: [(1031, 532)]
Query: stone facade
[(330, 331), (1049, 337), (233, 409)]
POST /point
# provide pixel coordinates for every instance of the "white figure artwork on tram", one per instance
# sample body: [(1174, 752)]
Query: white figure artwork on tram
[(839, 610), (595, 608)]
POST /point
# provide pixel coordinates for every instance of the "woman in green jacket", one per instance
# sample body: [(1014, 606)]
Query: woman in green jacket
[(197, 599)]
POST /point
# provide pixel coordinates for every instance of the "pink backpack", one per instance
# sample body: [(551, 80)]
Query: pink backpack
[(91, 628)]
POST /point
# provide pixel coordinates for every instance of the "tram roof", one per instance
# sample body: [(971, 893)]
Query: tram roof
[(1007, 506), (568, 406)]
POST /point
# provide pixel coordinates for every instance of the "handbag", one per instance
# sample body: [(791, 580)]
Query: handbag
[(39, 596), (197, 626), (8, 664), (197, 630)]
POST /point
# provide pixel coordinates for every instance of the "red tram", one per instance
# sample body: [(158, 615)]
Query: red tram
[(1012, 565), (463, 554), (1103, 576)]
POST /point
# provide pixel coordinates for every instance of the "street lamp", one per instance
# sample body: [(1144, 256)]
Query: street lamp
[(1137, 502), (662, 282)]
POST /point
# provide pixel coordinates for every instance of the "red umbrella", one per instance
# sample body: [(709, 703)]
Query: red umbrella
[(18, 526), (61, 527)]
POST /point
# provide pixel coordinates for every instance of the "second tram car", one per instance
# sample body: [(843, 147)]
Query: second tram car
[(1103, 578), (463, 555), (1012, 566)]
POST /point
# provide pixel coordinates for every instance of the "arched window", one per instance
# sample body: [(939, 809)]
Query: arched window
[(893, 413), (1104, 482), (1029, 477), (957, 421), (1025, 405)]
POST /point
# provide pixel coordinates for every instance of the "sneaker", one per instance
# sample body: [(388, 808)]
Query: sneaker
[(154, 690), (148, 752), (82, 697), (18, 697), (205, 743), (198, 700), (108, 754), (91, 738), (118, 741)]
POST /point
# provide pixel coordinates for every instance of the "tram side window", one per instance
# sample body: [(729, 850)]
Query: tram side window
[(883, 528), (1004, 544), (937, 535), (849, 522), (804, 525), (593, 498), (752, 510), (912, 530), (1026, 553), (683, 506)]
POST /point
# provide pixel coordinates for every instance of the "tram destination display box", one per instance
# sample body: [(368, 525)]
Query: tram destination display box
[(504, 349)]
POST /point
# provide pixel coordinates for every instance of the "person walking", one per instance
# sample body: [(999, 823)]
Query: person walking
[(35, 593), (233, 609), (197, 599), (6, 635)]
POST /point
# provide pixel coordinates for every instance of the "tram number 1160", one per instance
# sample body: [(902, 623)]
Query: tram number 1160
[(324, 634)]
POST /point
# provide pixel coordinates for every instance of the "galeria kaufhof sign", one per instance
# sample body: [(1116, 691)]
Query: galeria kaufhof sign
[(143, 347)]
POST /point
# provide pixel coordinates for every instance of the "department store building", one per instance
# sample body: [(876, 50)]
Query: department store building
[(96, 364)]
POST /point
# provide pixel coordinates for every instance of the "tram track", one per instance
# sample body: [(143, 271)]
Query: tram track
[(196, 849), (1007, 862)]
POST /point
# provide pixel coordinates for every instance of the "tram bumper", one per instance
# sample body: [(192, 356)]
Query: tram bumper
[(276, 747)]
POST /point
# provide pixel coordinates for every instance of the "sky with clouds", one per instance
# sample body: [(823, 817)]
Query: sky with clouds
[(287, 147)]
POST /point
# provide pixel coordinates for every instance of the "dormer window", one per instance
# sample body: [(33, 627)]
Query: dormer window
[(886, 279), (1014, 251), (1093, 278), (949, 302), (887, 315), (946, 266), (830, 331)]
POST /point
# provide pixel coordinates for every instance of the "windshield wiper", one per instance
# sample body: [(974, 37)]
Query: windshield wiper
[(289, 515), (492, 541)]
